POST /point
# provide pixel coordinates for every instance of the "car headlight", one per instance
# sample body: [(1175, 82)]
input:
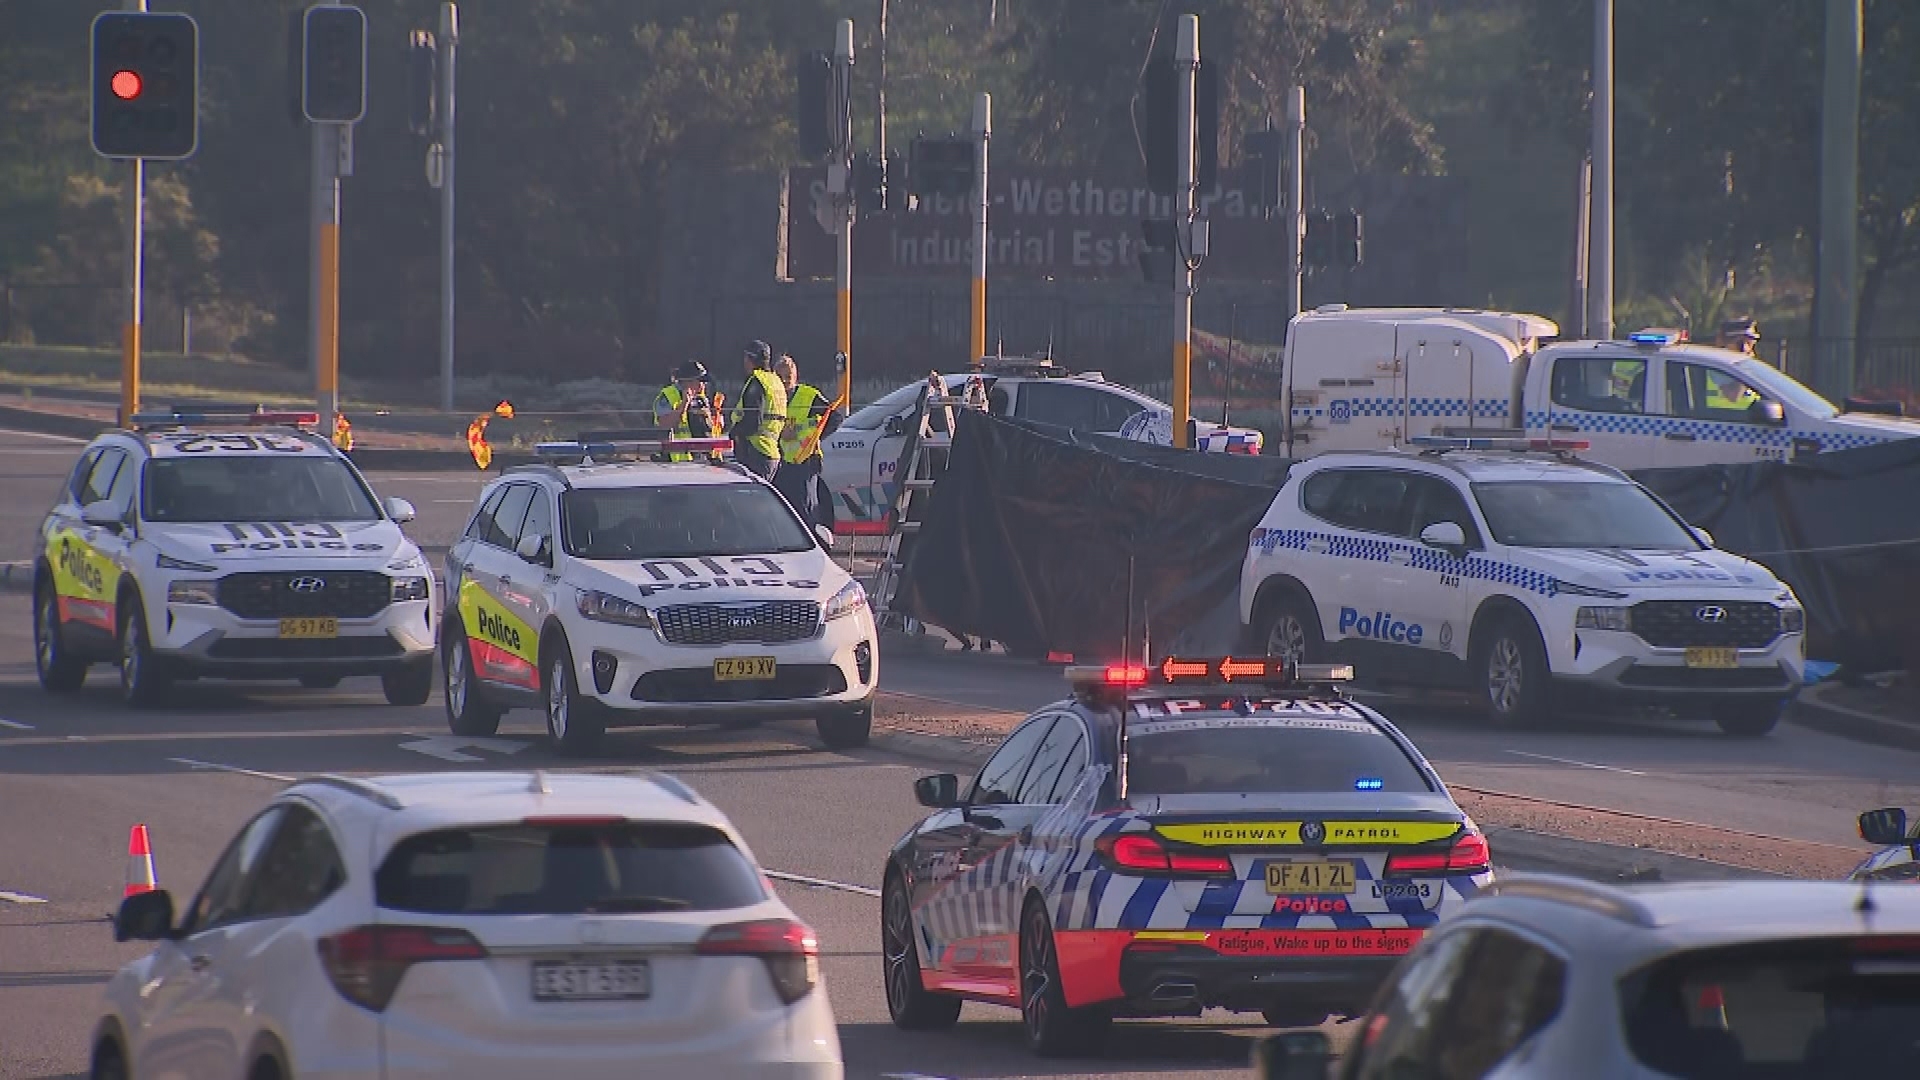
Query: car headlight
[(849, 599), (409, 588), (1569, 588), (193, 592), (1793, 620), (601, 607), (165, 563), (415, 561), (1601, 618)]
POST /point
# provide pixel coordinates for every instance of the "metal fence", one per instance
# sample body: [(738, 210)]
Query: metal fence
[(1881, 366)]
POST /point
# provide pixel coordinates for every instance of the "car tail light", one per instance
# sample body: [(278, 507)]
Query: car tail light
[(367, 962), (1143, 853), (1468, 855), (789, 949)]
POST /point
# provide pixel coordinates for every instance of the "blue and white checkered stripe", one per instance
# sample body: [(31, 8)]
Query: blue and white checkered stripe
[(1222, 441), (1418, 556)]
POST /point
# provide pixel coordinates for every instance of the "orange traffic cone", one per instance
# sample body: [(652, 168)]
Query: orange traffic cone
[(139, 863)]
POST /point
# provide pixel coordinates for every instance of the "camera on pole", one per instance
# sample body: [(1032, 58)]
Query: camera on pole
[(145, 85), (1161, 132), (334, 68)]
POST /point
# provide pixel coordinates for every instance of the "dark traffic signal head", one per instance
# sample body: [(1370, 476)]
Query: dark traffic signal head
[(1348, 239), (814, 74), (334, 86), (145, 85), (1318, 252), (869, 183)]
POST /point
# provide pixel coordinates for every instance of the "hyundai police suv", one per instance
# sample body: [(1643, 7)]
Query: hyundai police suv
[(232, 545), (609, 589), (1516, 572)]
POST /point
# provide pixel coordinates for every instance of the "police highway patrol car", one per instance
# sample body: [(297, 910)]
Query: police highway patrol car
[(237, 545), (1194, 833), (609, 589), (1488, 566)]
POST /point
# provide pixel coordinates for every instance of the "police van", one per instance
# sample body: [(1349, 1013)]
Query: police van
[(1514, 571), (236, 545), (609, 586)]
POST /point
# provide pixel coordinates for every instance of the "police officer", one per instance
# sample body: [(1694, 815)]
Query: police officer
[(799, 442), (759, 414), (683, 404), (1740, 335)]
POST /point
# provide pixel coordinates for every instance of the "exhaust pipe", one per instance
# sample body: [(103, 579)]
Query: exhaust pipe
[(1175, 991)]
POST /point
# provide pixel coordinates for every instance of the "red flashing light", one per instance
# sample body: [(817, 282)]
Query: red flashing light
[(1469, 855), (1560, 444), (1143, 852), (283, 418), (1125, 675), (126, 85)]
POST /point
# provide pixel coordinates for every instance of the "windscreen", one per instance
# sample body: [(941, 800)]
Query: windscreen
[(567, 870), (679, 522), (1551, 514), (246, 487), (1232, 755), (1832, 1007), (1788, 390)]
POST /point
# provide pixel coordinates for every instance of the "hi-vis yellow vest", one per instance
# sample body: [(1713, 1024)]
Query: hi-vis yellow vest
[(671, 392), (766, 434), (800, 439)]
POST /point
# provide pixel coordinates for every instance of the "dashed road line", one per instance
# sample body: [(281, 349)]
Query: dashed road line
[(16, 725), (1581, 764), (217, 767), (822, 883), (19, 898)]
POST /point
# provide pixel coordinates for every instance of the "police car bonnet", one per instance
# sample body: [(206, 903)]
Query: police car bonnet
[(267, 539), (786, 576), (1610, 568)]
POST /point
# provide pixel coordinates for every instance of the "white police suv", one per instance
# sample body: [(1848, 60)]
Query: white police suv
[(609, 589), (1512, 570), (236, 545)]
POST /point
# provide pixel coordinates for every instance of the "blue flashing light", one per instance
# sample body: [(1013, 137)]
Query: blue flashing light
[(1656, 337), (1369, 783)]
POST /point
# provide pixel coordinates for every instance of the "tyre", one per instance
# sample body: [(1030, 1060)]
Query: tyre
[(1287, 627), (109, 1062), (1053, 1029), (575, 723), (1510, 673), (846, 731), (1293, 1016), (467, 712), (143, 678), (319, 682), (1748, 719), (408, 685), (60, 672), (909, 1003)]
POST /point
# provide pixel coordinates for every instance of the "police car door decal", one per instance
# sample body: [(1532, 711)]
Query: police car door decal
[(84, 581), (503, 647)]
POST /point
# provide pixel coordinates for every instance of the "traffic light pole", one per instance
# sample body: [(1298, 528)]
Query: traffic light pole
[(324, 294), (1296, 196), (136, 244), (843, 240), (982, 132), (1186, 62), (449, 41)]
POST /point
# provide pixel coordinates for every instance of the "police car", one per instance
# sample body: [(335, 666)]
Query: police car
[(1511, 570), (1197, 833), (230, 544), (608, 589), (1899, 856)]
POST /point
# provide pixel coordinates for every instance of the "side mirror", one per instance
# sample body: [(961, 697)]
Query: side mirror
[(400, 510), (895, 425), (533, 549), (102, 514), (826, 536), (146, 916), (1884, 827), (1444, 534), (940, 791), (1702, 535), (1295, 1055), (1770, 413)]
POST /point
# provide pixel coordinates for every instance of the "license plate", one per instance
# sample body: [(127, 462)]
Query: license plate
[(309, 628), (1713, 658), (1309, 877), (611, 980), (744, 669)]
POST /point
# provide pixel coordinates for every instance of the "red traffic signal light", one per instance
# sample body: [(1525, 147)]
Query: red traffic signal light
[(126, 85), (144, 92)]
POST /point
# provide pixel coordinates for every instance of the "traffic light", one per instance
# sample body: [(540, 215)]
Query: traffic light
[(1318, 251), (334, 69), (869, 183), (940, 166), (1160, 249), (1161, 133), (814, 76), (1347, 239), (423, 78), (146, 85)]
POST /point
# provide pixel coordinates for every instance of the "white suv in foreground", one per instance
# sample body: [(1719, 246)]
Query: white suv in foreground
[(477, 925), (1478, 565)]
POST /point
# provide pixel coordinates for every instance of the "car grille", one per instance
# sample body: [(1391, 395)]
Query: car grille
[(346, 648), (1676, 624), (734, 624), (345, 594), (688, 686)]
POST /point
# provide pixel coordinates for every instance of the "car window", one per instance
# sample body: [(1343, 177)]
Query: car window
[(1580, 514), (504, 529), (1283, 755), (1609, 384), (1036, 789), (683, 521), (125, 485), (1709, 393), (100, 479), (872, 416), (1510, 989), (482, 521), (569, 868), (256, 487), (1406, 1023), (1073, 405), (1071, 773), (77, 483), (222, 898), (1370, 500), (999, 779), (539, 517), (301, 867), (1435, 501)]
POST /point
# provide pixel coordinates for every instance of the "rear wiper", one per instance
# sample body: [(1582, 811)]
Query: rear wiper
[(634, 904)]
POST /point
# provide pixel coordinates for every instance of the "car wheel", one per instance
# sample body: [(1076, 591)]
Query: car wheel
[(408, 685), (1053, 1029), (574, 722), (266, 1069), (109, 1062), (1748, 720), (1511, 668), (143, 681), (467, 712), (846, 731), (60, 673), (319, 682), (909, 1003), (1287, 628)]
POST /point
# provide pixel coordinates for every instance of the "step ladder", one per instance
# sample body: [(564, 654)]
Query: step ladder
[(923, 460)]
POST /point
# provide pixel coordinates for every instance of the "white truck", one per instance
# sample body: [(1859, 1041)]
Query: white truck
[(1375, 378)]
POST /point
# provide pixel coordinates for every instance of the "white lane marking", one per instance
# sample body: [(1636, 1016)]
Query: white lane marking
[(910, 1076), (822, 883), (217, 767), (16, 725), (42, 435), (448, 747), (19, 898), (453, 502), (1581, 764)]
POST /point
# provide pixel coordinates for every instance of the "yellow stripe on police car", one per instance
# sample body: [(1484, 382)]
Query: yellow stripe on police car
[(1287, 833)]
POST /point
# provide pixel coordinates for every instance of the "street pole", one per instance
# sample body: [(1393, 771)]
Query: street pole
[(449, 40), (324, 294), (1600, 281), (1582, 240), (1296, 195), (136, 236), (1186, 61), (843, 246), (1834, 304), (880, 88), (982, 132)]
